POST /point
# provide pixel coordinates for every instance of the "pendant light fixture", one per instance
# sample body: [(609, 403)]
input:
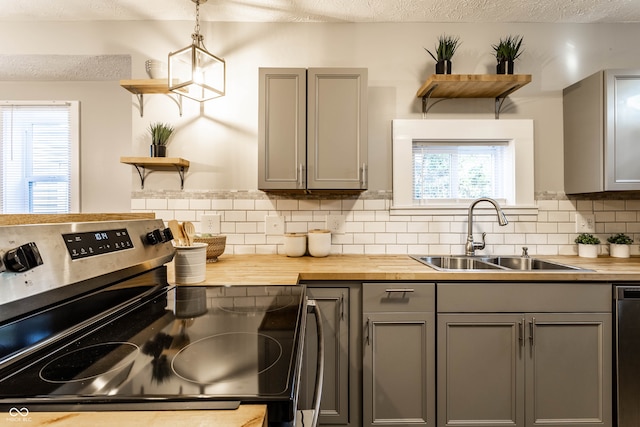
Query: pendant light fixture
[(193, 71)]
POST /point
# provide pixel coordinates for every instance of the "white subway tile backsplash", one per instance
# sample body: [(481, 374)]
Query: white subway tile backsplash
[(245, 205), (370, 227), (157, 204), (199, 204)]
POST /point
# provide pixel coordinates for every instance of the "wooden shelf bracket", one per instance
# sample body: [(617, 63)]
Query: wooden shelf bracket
[(145, 165), (448, 86), (158, 86)]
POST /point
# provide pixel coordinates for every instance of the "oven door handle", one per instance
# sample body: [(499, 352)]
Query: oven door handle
[(317, 392)]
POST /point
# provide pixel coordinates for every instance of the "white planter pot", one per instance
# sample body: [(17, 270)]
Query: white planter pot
[(588, 251), (619, 251)]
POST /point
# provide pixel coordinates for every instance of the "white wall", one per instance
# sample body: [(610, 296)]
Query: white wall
[(219, 137)]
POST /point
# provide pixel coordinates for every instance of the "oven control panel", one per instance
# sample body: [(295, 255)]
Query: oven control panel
[(37, 259), (82, 245)]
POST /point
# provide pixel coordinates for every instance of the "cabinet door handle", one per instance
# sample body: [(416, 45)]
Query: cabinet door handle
[(300, 176), (368, 331), (342, 307), (363, 181), (399, 290), (521, 332), (532, 329)]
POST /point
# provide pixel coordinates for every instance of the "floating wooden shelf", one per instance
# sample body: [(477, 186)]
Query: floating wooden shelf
[(150, 86), (446, 86), (145, 165)]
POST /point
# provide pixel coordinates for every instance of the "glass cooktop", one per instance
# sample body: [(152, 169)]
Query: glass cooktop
[(182, 344)]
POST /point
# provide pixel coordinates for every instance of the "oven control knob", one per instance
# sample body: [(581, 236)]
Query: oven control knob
[(22, 258), (159, 236)]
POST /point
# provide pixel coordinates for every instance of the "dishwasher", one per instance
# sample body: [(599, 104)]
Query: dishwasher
[(627, 355)]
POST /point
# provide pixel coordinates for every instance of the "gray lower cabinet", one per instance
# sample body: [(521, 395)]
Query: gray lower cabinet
[(338, 303), (529, 368), (398, 370)]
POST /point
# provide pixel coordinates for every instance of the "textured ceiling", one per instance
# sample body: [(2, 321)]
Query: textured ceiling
[(551, 11)]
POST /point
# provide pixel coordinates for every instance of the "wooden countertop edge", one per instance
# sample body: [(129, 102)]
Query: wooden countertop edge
[(244, 416), (279, 269)]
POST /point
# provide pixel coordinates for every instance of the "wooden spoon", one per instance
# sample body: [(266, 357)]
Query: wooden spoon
[(177, 231), (189, 232)]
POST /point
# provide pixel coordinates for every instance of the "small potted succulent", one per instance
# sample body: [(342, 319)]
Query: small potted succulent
[(160, 133), (619, 245), (445, 49), (588, 245), (506, 52)]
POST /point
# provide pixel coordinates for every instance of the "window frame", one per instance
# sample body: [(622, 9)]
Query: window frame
[(74, 125), (519, 135)]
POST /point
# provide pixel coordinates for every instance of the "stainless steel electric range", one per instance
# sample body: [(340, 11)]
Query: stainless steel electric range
[(89, 322)]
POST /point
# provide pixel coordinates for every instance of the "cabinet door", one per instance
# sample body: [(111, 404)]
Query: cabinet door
[(399, 369), (480, 369), (282, 128), (568, 373), (622, 129), (337, 128), (334, 307)]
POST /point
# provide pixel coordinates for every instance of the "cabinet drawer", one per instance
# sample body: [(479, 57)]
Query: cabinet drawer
[(524, 297), (393, 297)]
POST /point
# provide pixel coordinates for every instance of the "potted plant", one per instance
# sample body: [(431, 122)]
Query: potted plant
[(619, 245), (506, 52), (588, 245), (160, 133), (445, 49)]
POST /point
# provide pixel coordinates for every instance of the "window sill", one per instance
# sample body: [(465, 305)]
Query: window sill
[(454, 210)]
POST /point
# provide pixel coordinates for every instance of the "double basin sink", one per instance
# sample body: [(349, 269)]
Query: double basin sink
[(508, 263)]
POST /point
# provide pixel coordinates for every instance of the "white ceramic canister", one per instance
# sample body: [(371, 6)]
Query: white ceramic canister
[(190, 263), (295, 244), (319, 243)]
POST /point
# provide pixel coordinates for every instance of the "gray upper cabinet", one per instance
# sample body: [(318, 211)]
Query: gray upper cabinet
[(312, 129), (398, 370), (601, 130)]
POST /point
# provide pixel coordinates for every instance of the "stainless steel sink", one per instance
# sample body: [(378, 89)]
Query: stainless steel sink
[(522, 263), (458, 262), (505, 263)]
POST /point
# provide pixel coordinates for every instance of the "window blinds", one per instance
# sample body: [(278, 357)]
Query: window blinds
[(35, 166)]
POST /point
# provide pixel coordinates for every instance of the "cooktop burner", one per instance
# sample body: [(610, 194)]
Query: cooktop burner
[(90, 362), (225, 357)]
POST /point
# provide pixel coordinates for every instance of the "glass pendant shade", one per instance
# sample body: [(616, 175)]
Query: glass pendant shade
[(196, 73)]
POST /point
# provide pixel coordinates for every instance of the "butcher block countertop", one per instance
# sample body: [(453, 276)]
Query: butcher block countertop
[(244, 416), (280, 269)]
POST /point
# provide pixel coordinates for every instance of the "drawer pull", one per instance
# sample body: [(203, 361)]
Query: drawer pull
[(399, 291)]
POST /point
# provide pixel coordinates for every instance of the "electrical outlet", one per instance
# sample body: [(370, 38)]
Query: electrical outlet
[(210, 224), (335, 224), (273, 225), (585, 223)]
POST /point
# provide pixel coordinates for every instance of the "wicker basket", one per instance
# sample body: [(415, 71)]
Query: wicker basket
[(215, 246)]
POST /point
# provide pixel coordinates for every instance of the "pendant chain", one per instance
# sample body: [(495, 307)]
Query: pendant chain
[(196, 36)]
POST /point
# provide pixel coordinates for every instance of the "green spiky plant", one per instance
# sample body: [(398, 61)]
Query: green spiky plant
[(445, 48), (508, 49), (160, 133)]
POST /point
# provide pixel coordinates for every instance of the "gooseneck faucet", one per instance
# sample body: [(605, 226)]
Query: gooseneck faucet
[(471, 246)]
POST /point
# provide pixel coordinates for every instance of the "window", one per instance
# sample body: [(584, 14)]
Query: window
[(444, 164), (449, 171), (39, 157)]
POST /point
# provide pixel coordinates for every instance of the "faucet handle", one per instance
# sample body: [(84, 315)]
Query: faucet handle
[(525, 252), (479, 245)]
